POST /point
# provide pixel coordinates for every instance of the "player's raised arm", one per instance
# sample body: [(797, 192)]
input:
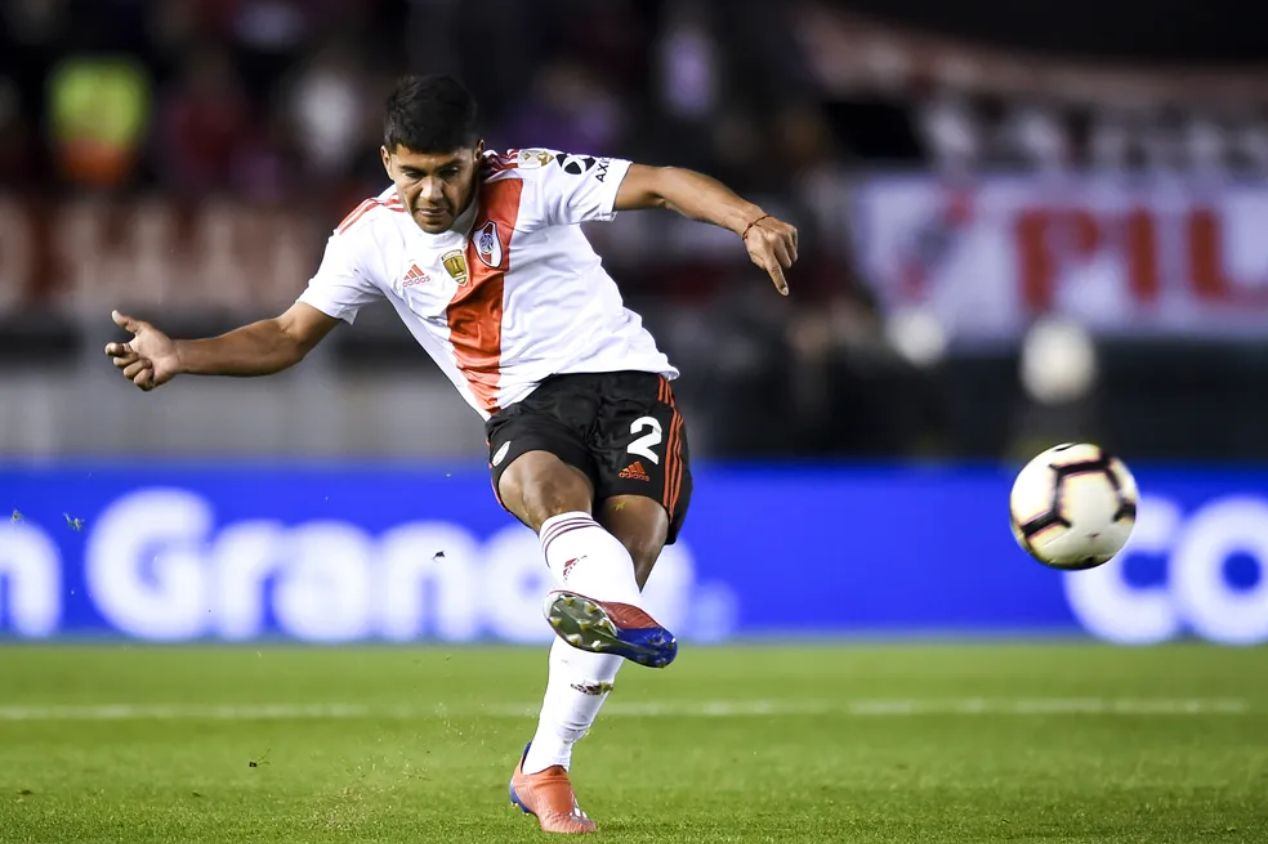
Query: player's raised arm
[(151, 358), (771, 243)]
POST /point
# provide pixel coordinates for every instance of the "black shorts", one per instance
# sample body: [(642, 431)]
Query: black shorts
[(621, 428)]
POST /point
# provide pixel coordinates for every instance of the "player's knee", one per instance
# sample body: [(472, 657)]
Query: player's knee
[(642, 526), (644, 551), (551, 495), (538, 485)]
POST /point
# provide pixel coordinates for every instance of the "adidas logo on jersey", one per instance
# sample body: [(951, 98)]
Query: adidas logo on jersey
[(635, 471), (415, 277)]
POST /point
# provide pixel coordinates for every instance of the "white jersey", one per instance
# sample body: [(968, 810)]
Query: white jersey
[(512, 293)]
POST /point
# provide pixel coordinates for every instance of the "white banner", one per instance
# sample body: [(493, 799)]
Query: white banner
[(1122, 256)]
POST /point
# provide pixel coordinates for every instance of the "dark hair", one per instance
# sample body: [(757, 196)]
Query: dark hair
[(430, 114)]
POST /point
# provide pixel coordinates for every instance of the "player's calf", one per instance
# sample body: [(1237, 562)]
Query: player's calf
[(583, 556)]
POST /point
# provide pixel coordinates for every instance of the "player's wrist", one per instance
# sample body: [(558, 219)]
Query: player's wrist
[(180, 358), (743, 216), (752, 224)]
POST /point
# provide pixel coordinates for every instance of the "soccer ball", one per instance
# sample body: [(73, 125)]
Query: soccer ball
[(1073, 506)]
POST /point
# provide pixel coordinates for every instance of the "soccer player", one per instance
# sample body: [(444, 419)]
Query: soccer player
[(481, 256)]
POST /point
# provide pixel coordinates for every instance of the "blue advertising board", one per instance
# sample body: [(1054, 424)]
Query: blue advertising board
[(341, 552)]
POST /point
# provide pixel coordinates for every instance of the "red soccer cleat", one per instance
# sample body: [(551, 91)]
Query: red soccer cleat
[(547, 795)]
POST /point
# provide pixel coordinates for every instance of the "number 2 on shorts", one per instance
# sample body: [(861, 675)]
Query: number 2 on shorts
[(643, 445)]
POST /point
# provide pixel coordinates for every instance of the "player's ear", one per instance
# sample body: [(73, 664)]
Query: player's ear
[(479, 150), (387, 157)]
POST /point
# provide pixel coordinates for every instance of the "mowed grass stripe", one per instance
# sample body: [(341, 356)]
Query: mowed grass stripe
[(640, 709)]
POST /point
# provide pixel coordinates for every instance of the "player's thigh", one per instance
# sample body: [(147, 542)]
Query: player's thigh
[(538, 458), (641, 524), (538, 484), (640, 446)]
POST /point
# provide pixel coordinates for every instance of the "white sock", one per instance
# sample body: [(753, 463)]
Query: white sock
[(579, 684), (586, 559)]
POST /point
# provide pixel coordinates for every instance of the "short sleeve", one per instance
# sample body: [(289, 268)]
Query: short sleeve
[(340, 288), (575, 188)]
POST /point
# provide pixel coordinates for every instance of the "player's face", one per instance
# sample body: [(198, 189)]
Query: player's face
[(436, 187)]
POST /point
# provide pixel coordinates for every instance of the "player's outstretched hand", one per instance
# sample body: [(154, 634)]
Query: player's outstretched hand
[(149, 358), (772, 245)]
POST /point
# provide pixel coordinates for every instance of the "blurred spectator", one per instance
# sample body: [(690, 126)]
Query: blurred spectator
[(814, 175), (567, 107), (950, 134), (1162, 144), (16, 164), (1109, 140), (204, 124), (1206, 146), (99, 108), (34, 21), (273, 25), (329, 104), (267, 166), (1034, 136), (738, 154), (688, 64), (1251, 145)]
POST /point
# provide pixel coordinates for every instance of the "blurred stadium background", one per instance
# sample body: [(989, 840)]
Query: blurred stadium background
[(1021, 225)]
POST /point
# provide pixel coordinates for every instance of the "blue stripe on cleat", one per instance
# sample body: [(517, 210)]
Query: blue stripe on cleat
[(588, 625)]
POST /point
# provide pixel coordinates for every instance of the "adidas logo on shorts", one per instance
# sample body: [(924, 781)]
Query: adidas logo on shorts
[(635, 471)]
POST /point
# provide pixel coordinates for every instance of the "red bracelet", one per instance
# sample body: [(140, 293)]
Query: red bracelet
[(750, 225)]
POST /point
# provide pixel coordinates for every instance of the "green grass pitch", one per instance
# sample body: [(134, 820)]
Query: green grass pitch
[(858, 743)]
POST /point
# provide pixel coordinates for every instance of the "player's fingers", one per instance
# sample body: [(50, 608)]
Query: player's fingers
[(124, 361), (792, 242), (777, 276), (143, 376), (116, 349), (136, 366), (126, 322), (122, 320), (781, 253)]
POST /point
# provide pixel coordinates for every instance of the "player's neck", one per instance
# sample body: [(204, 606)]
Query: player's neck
[(462, 222)]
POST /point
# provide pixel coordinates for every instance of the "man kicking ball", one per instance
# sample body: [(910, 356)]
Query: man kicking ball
[(481, 255)]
